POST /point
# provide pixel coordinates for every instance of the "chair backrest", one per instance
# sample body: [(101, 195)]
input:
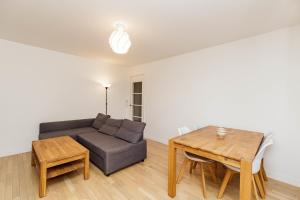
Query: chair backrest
[(183, 130), (259, 156), (197, 126), (268, 136)]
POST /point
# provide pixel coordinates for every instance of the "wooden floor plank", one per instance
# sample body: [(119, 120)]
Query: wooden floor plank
[(144, 181)]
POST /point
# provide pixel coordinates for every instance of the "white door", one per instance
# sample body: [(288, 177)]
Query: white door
[(137, 98)]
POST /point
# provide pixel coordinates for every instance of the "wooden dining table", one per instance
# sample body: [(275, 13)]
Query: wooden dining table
[(238, 148)]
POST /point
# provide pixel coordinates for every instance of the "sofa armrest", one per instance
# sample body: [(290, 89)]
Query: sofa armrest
[(65, 125)]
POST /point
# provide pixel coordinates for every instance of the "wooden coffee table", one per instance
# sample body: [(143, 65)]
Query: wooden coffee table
[(56, 156)]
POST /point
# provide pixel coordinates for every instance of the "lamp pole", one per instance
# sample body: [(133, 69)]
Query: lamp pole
[(106, 86), (106, 100)]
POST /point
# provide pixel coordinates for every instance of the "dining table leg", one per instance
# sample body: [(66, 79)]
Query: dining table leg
[(246, 180), (171, 169)]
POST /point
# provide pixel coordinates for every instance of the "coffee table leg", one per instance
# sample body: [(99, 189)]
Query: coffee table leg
[(32, 157), (43, 179), (86, 170)]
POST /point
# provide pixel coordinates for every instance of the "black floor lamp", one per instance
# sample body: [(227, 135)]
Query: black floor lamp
[(106, 86)]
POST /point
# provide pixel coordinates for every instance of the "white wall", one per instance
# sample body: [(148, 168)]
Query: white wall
[(250, 84), (39, 85)]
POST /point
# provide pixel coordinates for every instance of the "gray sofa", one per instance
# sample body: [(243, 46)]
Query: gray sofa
[(113, 144)]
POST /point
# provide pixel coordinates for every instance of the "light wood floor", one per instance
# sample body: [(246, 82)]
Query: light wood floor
[(147, 180)]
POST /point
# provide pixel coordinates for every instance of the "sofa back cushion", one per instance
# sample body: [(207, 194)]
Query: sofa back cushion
[(131, 131), (111, 126), (100, 120)]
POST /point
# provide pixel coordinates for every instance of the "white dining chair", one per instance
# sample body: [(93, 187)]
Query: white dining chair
[(193, 160), (197, 126), (257, 179), (262, 171), (267, 136)]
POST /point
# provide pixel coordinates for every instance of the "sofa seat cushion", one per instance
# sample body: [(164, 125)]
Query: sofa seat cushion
[(103, 144), (70, 132), (100, 120), (131, 131), (111, 126)]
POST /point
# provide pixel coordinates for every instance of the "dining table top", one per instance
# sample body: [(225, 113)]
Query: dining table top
[(237, 144)]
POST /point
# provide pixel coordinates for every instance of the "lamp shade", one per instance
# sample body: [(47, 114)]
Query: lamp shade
[(119, 40)]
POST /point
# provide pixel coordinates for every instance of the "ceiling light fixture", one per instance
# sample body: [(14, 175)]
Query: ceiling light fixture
[(119, 40)]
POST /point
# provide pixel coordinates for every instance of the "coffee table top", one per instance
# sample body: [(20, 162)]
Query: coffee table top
[(58, 148)]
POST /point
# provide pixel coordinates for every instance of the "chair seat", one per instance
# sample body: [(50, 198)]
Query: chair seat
[(236, 169), (197, 158)]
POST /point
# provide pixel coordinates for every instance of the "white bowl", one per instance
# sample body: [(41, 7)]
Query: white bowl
[(221, 132)]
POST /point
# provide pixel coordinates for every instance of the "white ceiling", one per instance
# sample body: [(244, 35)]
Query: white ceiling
[(158, 28)]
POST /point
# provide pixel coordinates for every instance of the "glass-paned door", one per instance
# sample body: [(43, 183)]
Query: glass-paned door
[(137, 101)]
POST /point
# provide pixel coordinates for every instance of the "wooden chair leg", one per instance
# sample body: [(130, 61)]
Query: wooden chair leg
[(203, 180), (259, 185), (262, 168), (227, 176), (195, 165), (191, 166), (182, 169), (261, 177), (230, 179), (254, 188), (212, 173), (219, 169)]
